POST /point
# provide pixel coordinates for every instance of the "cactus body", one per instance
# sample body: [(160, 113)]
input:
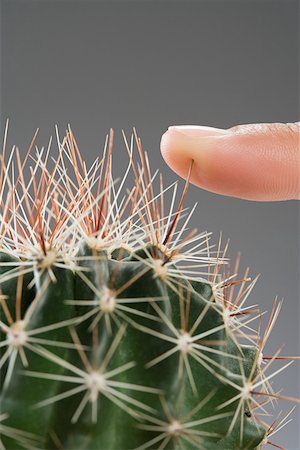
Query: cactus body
[(106, 342)]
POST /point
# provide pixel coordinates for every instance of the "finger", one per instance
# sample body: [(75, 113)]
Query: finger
[(254, 162)]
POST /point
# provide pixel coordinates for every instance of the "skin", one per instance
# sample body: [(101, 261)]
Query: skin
[(258, 162)]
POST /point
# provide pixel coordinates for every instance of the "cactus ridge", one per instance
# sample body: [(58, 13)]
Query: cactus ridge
[(120, 327)]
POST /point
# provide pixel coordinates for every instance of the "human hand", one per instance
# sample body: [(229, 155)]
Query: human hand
[(255, 162)]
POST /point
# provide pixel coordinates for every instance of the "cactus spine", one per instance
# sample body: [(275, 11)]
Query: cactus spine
[(120, 329)]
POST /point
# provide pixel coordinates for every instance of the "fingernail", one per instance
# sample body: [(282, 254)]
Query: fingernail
[(195, 131)]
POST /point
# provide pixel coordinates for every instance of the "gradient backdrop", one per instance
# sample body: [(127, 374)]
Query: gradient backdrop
[(151, 64)]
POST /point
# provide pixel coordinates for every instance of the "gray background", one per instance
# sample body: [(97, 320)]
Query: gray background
[(151, 64)]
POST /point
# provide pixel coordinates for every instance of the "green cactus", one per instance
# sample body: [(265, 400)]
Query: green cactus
[(119, 328)]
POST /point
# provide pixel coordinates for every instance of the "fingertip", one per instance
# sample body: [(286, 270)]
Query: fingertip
[(181, 145), (254, 162), (175, 153)]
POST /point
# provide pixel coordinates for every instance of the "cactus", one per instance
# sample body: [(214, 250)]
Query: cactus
[(120, 328)]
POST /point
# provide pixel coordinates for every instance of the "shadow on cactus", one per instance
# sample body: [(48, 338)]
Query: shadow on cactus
[(120, 327)]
